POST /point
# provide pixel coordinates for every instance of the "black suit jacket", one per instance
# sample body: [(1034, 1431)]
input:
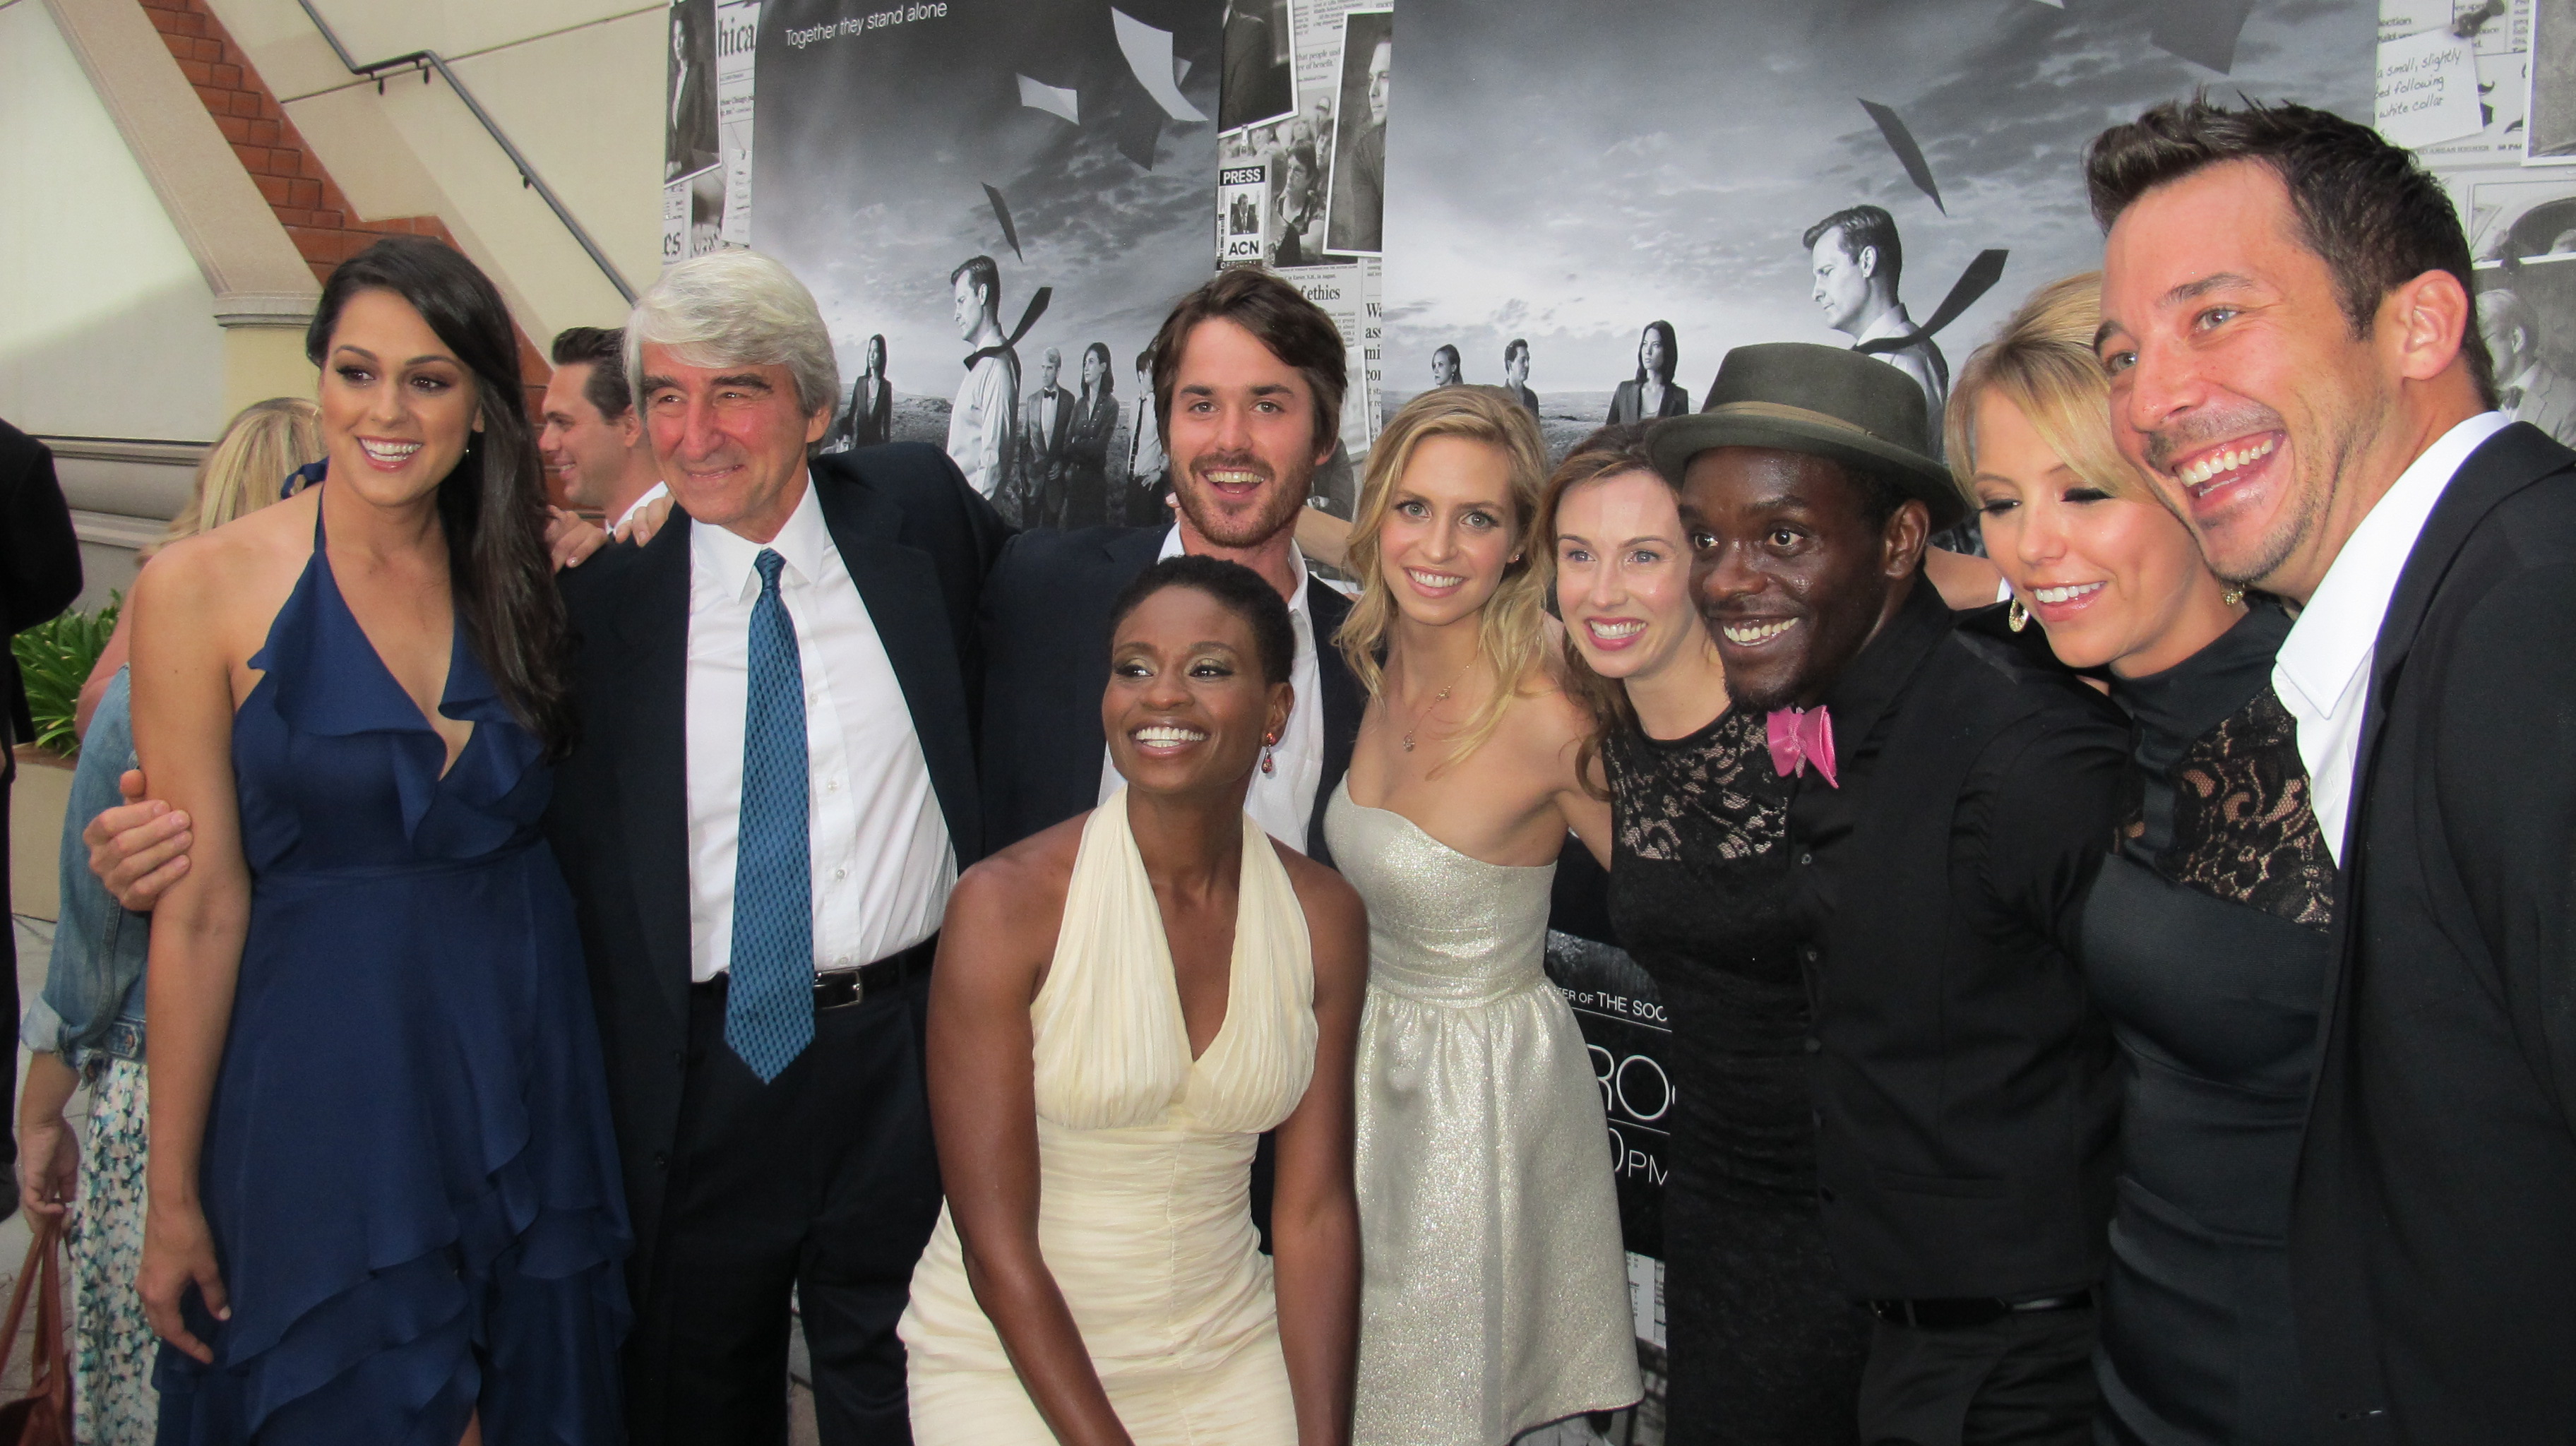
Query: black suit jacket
[(40, 565), (917, 541), (1045, 625), (2433, 1243), (1043, 446)]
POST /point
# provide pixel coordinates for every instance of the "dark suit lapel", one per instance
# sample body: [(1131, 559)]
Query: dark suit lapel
[(1343, 704), (900, 586), (651, 745), (2505, 464)]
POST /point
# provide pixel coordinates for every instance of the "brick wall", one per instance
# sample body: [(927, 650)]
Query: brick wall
[(326, 229)]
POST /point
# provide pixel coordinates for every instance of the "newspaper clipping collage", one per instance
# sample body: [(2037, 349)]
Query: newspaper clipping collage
[(996, 201)]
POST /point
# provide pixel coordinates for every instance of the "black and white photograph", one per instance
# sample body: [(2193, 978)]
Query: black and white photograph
[(2550, 139), (1355, 215), (999, 203), (2523, 240), (1260, 74), (1841, 173), (689, 112)]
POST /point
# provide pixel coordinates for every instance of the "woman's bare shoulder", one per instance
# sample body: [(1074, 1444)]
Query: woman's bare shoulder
[(1022, 886), (212, 572), (1324, 893)]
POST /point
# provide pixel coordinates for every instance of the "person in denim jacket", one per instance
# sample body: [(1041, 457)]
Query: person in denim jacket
[(87, 1028)]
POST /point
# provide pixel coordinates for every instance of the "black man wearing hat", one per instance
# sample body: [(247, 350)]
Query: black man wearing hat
[(1952, 799)]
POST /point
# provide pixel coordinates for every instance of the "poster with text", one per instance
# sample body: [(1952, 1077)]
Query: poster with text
[(995, 203), (1634, 199)]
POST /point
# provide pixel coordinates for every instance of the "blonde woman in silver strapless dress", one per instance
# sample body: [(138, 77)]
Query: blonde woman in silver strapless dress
[(1494, 1293), (1122, 1005)]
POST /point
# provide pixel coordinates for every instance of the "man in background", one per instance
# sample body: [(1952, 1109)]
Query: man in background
[(1516, 359), (1044, 417), (1445, 366), (1256, 83), (1857, 259), (1146, 484), (40, 574), (983, 423), (592, 442), (1358, 219), (2528, 388)]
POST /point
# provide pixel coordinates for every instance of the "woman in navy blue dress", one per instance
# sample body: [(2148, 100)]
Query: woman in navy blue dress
[(384, 1199)]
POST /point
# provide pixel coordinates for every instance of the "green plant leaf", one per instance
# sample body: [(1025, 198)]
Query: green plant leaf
[(54, 660)]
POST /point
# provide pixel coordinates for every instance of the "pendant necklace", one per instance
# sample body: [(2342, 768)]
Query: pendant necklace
[(1443, 697)]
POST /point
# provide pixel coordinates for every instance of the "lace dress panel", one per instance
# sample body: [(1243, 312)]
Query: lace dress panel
[(2243, 826)]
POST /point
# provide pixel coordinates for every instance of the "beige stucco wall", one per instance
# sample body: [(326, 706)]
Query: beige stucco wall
[(578, 86)]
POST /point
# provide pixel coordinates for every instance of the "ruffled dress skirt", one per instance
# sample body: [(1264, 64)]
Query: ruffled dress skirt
[(408, 1168)]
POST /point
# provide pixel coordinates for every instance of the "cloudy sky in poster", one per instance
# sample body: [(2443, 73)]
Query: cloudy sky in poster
[(1568, 173), (874, 146)]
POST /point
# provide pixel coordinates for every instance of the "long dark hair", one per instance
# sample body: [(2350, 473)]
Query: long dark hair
[(1672, 352), (492, 507)]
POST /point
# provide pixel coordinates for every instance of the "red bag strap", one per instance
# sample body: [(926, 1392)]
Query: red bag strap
[(39, 1260)]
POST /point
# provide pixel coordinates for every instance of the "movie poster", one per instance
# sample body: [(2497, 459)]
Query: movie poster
[(1301, 96), (995, 203), (1633, 199)]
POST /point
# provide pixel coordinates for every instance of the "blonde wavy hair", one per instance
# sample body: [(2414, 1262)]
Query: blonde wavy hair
[(248, 465), (2043, 363), (1512, 631)]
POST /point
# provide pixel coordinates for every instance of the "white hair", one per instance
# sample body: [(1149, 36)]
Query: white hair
[(735, 308)]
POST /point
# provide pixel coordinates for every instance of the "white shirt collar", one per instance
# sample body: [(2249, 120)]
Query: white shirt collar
[(803, 541), (1172, 547), (647, 498), (2337, 631), (1894, 323)]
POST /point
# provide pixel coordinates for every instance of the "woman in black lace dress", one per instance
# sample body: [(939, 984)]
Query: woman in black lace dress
[(2204, 934), (1761, 1343)]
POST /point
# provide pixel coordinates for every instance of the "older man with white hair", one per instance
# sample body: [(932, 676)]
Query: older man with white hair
[(772, 795)]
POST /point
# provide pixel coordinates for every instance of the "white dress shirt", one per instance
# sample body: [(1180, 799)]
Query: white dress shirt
[(1282, 802), (980, 422), (652, 494), (2323, 671), (881, 858)]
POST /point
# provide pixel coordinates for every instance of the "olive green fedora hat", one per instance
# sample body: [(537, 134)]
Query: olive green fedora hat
[(1794, 396)]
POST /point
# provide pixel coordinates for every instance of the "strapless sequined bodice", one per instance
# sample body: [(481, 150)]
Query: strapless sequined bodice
[(1443, 927)]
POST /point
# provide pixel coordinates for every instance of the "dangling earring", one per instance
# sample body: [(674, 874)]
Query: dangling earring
[(1269, 747), (2017, 617), (2233, 597)]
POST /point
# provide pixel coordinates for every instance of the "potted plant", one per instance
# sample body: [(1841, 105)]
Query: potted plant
[(54, 659)]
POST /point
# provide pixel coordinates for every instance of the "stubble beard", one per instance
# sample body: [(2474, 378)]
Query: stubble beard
[(1278, 511)]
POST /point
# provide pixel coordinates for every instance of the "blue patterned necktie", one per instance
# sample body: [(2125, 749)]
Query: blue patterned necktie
[(769, 1009)]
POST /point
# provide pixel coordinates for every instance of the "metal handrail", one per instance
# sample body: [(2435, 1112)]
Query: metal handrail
[(426, 61)]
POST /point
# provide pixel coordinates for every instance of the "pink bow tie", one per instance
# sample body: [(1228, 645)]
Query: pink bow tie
[(1799, 737)]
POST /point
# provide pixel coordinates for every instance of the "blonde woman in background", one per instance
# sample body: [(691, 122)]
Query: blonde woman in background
[(253, 464), (87, 1026), (1494, 1287)]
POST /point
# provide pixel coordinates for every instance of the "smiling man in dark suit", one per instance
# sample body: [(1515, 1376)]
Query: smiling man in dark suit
[(1248, 377), (773, 792), (2296, 364)]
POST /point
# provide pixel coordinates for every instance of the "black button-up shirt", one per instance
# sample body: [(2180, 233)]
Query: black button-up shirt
[(1963, 1083)]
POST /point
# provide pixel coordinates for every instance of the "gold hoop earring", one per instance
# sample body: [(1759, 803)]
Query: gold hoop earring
[(2017, 617)]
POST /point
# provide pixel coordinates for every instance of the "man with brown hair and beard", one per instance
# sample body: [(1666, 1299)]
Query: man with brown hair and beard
[(1248, 377)]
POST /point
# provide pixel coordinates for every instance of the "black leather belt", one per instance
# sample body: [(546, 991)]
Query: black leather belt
[(1960, 1312), (836, 988)]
